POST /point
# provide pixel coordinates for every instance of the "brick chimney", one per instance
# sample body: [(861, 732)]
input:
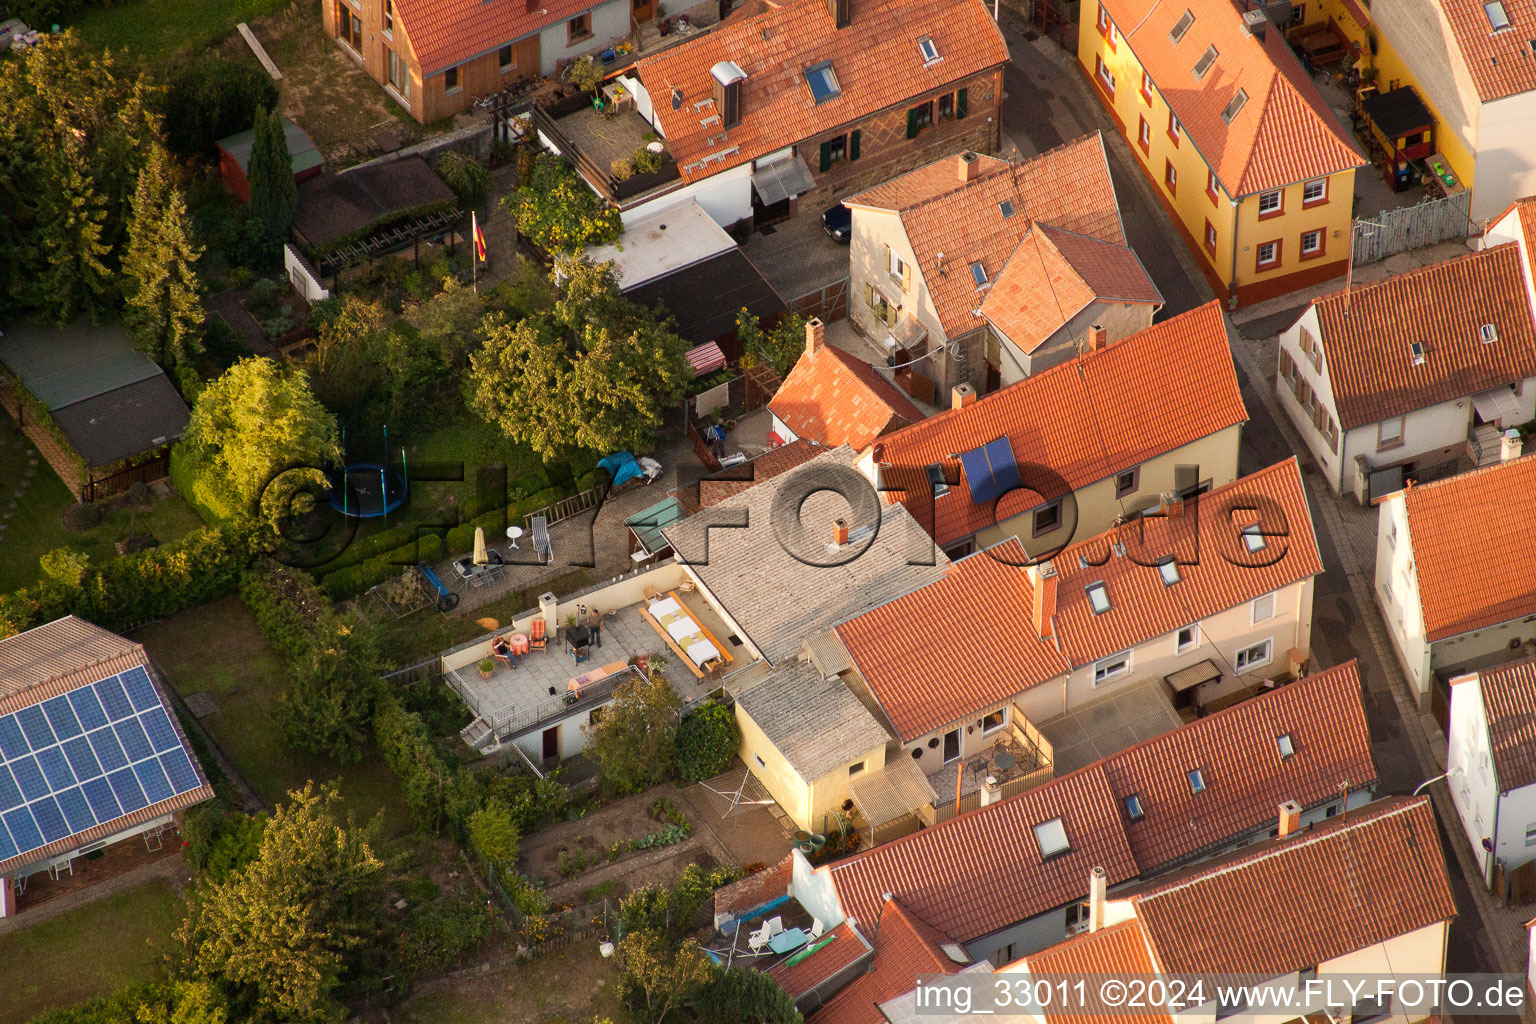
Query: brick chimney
[(1098, 895), (1045, 579), (966, 165), (1097, 338), (815, 335), (961, 396), (1170, 504), (1290, 817), (1510, 445), (839, 533)]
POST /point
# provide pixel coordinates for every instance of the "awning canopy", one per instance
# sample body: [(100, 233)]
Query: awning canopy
[(1192, 676), (1498, 404), (705, 358), (781, 180), (898, 789), (647, 524)]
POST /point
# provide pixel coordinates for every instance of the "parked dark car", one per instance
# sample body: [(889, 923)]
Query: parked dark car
[(838, 220)]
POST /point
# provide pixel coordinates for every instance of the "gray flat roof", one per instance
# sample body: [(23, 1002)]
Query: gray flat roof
[(818, 724), (64, 365)]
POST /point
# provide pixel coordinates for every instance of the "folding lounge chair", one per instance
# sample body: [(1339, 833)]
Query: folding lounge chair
[(537, 641)]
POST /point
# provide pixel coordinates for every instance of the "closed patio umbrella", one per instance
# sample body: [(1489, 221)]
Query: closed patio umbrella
[(481, 558)]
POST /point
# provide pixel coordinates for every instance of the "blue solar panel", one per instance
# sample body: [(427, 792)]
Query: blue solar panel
[(176, 765), (78, 750), (10, 794), (55, 768), (29, 777), (152, 777), (113, 698), (1004, 470), (35, 725), (108, 751), (135, 743), (158, 725), (87, 707), (140, 691), (7, 848), (23, 829), (76, 811), (12, 742), (990, 471), (103, 803), (63, 720), (50, 819), (127, 789)]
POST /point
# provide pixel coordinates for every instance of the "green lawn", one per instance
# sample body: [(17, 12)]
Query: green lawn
[(218, 648), (88, 952), (153, 29), (36, 523)]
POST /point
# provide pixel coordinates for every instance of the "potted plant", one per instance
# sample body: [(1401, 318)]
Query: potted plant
[(487, 666)]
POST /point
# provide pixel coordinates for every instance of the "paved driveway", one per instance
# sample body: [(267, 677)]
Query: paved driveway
[(797, 256)]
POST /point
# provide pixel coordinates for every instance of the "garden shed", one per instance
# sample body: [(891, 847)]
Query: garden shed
[(370, 211), (101, 412), (235, 158)]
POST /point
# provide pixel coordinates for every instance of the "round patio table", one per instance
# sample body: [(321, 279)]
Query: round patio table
[(519, 642)]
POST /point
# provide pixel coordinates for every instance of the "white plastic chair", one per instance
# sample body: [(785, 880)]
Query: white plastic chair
[(817, 929), (774, 926), (758, 939)]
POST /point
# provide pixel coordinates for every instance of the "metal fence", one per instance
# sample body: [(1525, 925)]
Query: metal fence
[(555, 930), (1412, 227)]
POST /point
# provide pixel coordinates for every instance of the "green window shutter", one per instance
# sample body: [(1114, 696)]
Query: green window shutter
[(912, 123), (853, 145), (826, 155), (962, 106), (869, 295)]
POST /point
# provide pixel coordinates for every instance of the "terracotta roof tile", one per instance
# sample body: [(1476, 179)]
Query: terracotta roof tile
[(846, 948), (1119, 949), (1246, 779), (58, 649), (1340, 886), (1473, 547), (907, 947), (1068, 187), (949, 875), (1084, 437), (984, 602), (1444, 305), (835, 398), (443, 33), (1509, 701), (1053, 275), (876, 61), (1499, 62), (930, 180), (1283, 134)]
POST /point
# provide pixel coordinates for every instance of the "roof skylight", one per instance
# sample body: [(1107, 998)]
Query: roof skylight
[(1168, 569), (1098, 597), (823, 82), (1498, 21), (1235, 106), (1182, 26), (1204, 63), (1052, 837), (930, 52)]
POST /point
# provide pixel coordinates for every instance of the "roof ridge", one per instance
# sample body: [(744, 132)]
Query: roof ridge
[(1429, 269), (1446, 482)]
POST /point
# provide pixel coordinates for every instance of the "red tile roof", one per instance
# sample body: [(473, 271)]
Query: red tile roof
[(957, 223), (1499, 62), (443, 33), (875, 59), (907, 947), (984, 605), (1120, 949), (1473, 547), (1172, 401), (1367, 336), (949, 875), (1246, 778), (846, 947), (835, 398), (1509, 702), (1283, 134), (1053, 275), (1340, 886)]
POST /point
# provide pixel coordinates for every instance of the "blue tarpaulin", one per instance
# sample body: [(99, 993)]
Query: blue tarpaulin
[(621, 467)]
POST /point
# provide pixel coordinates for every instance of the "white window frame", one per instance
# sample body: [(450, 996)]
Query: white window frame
[(1321, 184), (1106, 76), (894, 265), (1054, 831), (929, 51), (389, 19), (1530, 834), (1253, 540), (1286, 744), (1168, 569), (1195, 780), (1274, 254), (1194, 639), (1265, 206), (1383, 440), (1248, 664), (1098, 597), (1266, 602), (1144, 135), (979, 275), (1105, 669), (1315, 233), (1002, 720), (759, 759)]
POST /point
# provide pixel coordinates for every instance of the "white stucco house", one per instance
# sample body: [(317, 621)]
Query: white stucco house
[(1491, 765), (1454, 563), (1407, 374)]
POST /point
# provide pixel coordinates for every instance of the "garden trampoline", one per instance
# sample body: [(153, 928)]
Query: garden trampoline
[(367, 490)]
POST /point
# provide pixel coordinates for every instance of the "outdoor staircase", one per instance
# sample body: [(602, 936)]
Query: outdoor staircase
[(1483, 444), (477, 735)]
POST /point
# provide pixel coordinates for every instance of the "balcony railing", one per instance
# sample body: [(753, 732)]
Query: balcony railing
[(614, 190)]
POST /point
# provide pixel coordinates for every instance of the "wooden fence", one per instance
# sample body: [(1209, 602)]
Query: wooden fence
[(829, 302), (1412, 227)]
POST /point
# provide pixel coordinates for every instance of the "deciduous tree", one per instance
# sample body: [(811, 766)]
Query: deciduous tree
[(633, 740), (658, 976), (706, 742)]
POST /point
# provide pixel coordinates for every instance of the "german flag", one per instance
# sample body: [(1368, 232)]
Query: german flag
[(474, 223)]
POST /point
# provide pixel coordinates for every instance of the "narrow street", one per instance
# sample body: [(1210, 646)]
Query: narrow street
[(1049, 102)]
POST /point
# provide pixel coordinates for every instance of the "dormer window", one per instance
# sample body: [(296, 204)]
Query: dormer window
[(1052, 838), (1181, 26), (1168, 569), (1235, 106), (979, 275), (1098, 598), (930, 52), (823, 82)]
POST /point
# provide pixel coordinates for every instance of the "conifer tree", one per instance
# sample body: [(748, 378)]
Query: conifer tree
[(274, 196), (162, 310)]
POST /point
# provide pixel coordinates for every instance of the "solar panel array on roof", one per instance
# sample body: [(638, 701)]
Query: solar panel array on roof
[(86, 758), (990, 471)]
